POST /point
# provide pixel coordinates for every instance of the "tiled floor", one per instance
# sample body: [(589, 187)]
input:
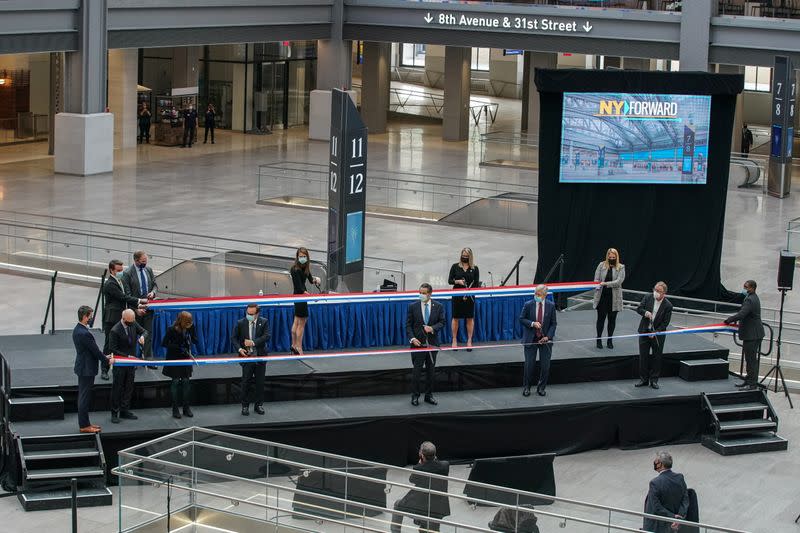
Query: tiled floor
[(211, 189)]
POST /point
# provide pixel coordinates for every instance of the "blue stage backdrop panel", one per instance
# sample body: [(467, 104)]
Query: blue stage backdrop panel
[(342, 325), (663, 232)]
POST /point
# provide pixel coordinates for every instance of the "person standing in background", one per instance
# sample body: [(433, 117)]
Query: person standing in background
[(747, 140), (87, 357), (189, 126), (656, 313), (751, 331), (116, 298), (250, 339), (300, 272), (667, 496), (539, 321), (178, 341), (210, 122), (144, 124), (140, 282), (424, 320), (608, 295), (464, 275)]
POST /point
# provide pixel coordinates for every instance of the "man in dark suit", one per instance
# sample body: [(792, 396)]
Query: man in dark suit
[(140, 282), (656, 313), (124, 337), (115, 300), (538, 319), (87, 357), (250, 339), (422, 502), (751, 331), (423, 322), (667, 496)]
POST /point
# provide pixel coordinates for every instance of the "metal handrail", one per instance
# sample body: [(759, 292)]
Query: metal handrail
[(51, 307), (137, 458)]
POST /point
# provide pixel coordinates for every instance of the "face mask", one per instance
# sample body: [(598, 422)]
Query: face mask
[(129, 324), (538, 299), (302, 260), (423, 298), (465, 259), (612, 261), (250, 318), (744, 292), (119, 274), (656, 295)]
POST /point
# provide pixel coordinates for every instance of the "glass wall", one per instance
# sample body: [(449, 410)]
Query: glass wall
[(24, 98)]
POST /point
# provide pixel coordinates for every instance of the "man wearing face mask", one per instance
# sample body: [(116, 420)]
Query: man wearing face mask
[(751, 331), (424, 320), (667, 496), (189, 126), (140, 282), (250, 340), (116, 298), (539, 322), (656, 313), (123, 340)]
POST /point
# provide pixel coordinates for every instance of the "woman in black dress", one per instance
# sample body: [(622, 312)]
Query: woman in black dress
[(464, 275), (301, 272), (178, 341)]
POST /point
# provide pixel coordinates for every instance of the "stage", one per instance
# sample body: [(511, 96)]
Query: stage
[(42, 365)]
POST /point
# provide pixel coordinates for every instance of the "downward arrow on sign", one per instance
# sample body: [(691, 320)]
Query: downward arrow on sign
[(428, 18), (587, 27)]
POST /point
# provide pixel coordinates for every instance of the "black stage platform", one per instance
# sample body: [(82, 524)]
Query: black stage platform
[(42, 365), (465, 425)]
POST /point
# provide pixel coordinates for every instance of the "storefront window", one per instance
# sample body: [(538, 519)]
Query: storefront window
[(480, 58), (412, 55)]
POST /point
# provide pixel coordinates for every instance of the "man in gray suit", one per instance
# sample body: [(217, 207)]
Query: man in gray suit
[(667, 496), (140, 282), (751, 331)]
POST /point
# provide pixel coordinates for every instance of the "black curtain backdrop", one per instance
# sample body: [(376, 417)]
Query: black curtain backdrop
[(663, 232)]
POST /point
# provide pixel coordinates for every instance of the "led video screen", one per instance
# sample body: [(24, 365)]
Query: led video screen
[(634, 138)]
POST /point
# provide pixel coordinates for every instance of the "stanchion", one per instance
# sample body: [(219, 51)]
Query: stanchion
[(74, 483), (776, 368)]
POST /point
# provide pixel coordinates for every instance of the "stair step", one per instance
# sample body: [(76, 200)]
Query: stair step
[(65, 453), (748, 425), (36, 408), (34, 500), (761, 442), (65, 473), (739, 407), (703, 369)]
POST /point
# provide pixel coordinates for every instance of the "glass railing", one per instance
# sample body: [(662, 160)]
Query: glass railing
[(212, 481), (25, 127), (793, 236), (82, 249), (390, 193)]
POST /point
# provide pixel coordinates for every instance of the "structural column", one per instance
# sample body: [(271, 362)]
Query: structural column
[(695, 34), (455, 114), (122, 82), (375, 85), (531, 108), (84, 134), (334, 56)]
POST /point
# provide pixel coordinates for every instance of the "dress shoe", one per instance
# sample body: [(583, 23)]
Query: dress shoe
[(295, 351), (187, 411), (526, 391), (245, 410), (742, 385), (259, 409), (752, 386), (104, 375), (127, 415), (176, 413), (95, 426), (431, 400), (610, 344), (90, 429), (654, 385), (642, 384), (415, 401), (541, 392), (114, 417), (599, 344)]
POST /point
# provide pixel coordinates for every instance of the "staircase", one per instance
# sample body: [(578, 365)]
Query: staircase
[(49, 463), (742, 422)]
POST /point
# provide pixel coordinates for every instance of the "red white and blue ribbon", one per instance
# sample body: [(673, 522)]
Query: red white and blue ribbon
[(234, 359), (217, 302)]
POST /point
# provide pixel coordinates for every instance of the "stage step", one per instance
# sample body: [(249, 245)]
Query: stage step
[(62, 498), (36, 408), (755, 443), (703, 369), (49, 463), (742, 422)]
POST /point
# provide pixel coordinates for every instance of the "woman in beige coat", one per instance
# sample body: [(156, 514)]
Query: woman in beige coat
[(608, 295)]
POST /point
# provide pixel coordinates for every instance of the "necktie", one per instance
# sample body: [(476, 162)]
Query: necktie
[(540, 313), (427, 314), (252, 326), (142, 282)]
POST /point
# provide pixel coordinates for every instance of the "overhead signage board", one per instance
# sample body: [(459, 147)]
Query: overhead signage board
[(507, 22)]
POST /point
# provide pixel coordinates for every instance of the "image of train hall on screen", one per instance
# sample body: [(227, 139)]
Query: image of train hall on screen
[(634, 138)]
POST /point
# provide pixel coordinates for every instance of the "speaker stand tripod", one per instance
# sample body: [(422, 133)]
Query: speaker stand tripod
[(776, 368)]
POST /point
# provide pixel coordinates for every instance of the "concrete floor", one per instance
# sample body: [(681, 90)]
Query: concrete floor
[(167, 188)]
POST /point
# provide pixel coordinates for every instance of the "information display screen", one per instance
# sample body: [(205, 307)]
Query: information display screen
[(634, 138)]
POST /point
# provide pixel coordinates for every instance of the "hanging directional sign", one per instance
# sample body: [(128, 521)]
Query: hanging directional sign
[(502, 22), (347, 196)]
